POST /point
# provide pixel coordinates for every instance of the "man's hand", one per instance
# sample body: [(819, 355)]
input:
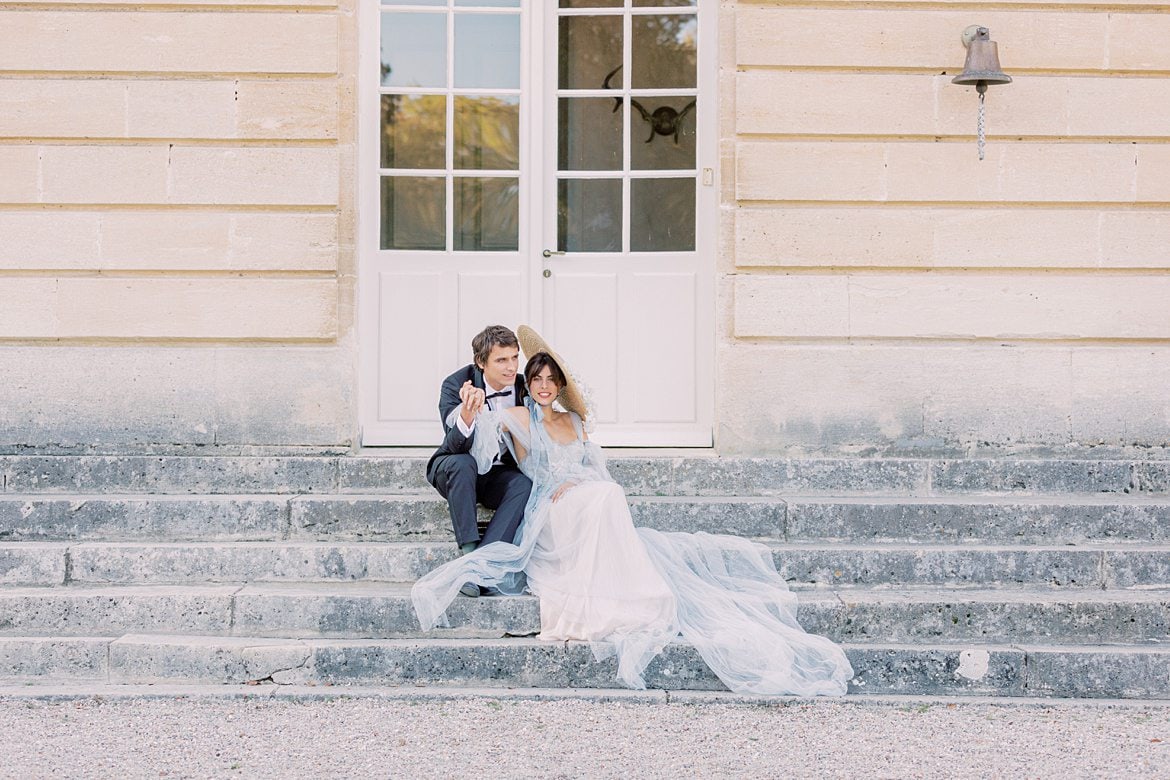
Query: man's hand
[(473, 400), (564, 488)]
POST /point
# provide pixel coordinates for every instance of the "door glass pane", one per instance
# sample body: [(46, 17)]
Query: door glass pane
[(414, 50), (664, 51), (413, 129), (590, 49), (492, 3), (487, 132), (487, 214), (662, 215), (487, 50), (589, 215), (589, 135), (414, 212), (663, 3), (591, 3), (662, 133)]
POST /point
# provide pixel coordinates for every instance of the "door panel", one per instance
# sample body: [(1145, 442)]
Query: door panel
[(583, 332), (662, 313)]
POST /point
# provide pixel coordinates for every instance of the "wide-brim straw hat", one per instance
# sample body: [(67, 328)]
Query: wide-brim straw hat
[(571, 397)]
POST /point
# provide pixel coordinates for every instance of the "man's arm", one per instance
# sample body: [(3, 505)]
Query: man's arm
[(457, 405)]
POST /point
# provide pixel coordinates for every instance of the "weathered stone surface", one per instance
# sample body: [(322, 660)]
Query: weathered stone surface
[(1032, 476), (952, 566), (530, 663), (1062, 521), (396, 518), (1140, 567), (1099, 672), (59, 658), (169, 474), (991, 616), (990, 671), (253, 562), (371, 610), (453, 662), (384, 475), (32, 564), (90, 611), (1152, 477), (640, 476), (140, 659), (768, 476), (172, 517), (739, 517), (376, 518), (818, 564)]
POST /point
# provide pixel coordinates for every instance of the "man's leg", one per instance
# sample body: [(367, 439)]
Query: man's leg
[(505, 490), (455, 479)]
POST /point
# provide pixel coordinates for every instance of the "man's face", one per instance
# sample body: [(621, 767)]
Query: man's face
[(502, 365)]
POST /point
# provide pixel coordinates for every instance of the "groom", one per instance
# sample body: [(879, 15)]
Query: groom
[(492, 381)]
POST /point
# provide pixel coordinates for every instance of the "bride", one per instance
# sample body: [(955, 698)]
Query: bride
[(629, 591)]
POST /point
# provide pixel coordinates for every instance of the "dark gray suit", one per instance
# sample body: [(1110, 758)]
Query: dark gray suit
[(452, 471)]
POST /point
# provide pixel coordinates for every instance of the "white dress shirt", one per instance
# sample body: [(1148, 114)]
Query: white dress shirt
[(495, 404)]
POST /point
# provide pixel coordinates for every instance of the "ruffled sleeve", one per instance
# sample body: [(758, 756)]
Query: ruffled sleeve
[(490, 429)]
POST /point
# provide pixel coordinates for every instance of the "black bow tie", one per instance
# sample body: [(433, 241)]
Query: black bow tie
[(499, 394)]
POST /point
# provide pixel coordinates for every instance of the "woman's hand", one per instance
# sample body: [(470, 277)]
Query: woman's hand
[(564, 488)]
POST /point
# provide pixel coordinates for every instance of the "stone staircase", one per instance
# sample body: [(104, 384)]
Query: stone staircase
[(959, 577)]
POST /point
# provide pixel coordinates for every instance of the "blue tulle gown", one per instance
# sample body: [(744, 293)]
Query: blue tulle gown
[(630, 591)]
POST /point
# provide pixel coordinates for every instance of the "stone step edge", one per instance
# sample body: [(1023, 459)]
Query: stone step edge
[(1089, 671), (243, 642), (57, 690), (898, 545), (861, 499), (1027, 594)]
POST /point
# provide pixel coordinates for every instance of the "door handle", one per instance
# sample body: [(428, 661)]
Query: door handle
[(551, 252)]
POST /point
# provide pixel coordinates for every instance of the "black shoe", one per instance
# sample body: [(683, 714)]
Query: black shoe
[(490, 592), (470, 589)]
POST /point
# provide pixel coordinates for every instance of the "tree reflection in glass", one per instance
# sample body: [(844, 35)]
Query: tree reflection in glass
[(487, 132), (487, 214), (413, 131), (664, 51)]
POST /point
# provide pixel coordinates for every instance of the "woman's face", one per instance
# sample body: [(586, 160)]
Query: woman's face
[(543, 387)]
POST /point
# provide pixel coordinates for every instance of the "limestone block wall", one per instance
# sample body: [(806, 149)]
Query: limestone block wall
[(176, 219), (884, 290)]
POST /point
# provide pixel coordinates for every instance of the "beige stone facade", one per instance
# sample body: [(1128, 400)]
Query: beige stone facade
[(177, 222)]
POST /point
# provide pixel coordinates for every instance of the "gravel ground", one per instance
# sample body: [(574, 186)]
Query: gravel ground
[(478, 737)]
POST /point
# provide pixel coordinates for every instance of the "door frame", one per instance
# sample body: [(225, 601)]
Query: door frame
[(538, 222)]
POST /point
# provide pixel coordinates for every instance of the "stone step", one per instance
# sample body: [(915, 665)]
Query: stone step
[(1099, 671), (654, 474), (984, 519), (1117, 565), (383, 610)]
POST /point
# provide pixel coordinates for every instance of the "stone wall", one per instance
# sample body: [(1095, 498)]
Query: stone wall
[(177, 226), (176, 214), (884, 290)]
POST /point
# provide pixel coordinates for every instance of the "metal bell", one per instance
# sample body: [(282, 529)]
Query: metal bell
[(982, 65)]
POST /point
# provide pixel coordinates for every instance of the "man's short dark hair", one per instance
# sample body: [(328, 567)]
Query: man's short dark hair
[(488, 339)]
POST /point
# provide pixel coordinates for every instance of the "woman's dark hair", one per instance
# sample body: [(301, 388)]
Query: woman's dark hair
[(537, 363)]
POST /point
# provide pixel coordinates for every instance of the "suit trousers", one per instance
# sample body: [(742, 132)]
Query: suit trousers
[(503, 489)]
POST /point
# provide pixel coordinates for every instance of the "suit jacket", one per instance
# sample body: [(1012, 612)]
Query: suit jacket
[(454, 441)]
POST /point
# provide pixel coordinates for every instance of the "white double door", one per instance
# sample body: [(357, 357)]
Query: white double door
[(524, 163)]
